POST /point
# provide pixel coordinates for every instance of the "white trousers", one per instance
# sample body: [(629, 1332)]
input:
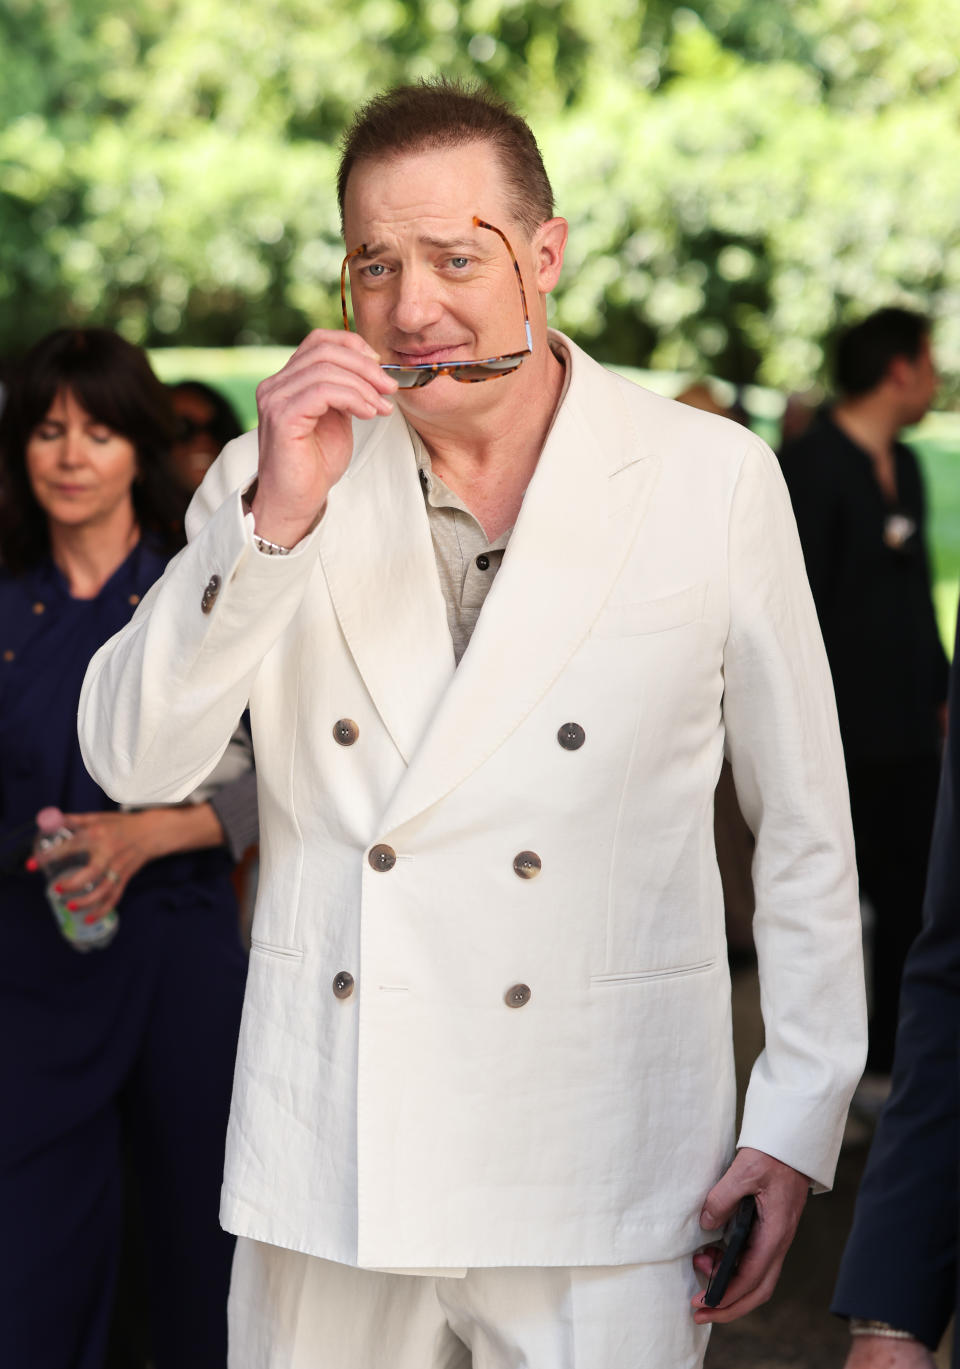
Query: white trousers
[(294, 1311)]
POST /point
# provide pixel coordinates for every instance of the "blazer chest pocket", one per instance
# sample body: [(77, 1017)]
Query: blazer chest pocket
[(653, 615)]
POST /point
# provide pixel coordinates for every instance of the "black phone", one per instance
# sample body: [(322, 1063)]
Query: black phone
[(736, 1239)]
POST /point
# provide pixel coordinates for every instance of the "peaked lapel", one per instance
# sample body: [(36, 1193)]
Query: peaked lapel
[(579, 517), (378, 558)]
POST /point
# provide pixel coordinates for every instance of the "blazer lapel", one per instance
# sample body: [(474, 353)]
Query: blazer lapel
[(579, 518), (378, 558)]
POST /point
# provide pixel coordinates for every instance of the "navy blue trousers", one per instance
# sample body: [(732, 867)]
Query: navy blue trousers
[(131, 1047)]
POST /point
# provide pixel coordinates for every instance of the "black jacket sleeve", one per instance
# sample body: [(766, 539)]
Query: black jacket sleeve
[(900, 1263)]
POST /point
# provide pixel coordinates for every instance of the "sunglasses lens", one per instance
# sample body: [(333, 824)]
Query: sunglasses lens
[(410, 377)]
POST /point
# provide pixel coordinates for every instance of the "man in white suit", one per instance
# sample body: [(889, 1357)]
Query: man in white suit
[(484, 1098)]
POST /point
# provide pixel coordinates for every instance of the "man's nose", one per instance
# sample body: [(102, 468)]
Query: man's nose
[(416, 305)]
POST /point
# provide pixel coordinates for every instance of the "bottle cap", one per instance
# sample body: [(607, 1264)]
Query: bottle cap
[(49, 820)]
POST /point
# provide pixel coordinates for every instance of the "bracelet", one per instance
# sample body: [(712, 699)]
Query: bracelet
[(269, 548), (861, 1326)]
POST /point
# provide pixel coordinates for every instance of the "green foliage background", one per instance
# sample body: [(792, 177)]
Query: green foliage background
[(740, 175)]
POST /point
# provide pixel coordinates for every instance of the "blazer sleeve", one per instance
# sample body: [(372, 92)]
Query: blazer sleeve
[(909, 1202), (783, 743), (161, 699)]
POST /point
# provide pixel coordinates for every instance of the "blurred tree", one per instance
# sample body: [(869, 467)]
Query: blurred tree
[(739, 177)]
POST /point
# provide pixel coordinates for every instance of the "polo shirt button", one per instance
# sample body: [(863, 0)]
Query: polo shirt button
[(571, 736), (483, 562), (527, 864), (210, 594), (382, 857), (343, 984), (345, 731), (517, 996)]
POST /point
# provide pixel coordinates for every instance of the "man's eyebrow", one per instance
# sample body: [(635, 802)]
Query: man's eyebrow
[(376, 249)]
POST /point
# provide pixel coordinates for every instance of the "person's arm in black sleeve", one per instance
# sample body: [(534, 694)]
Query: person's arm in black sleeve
[(900, 1263)]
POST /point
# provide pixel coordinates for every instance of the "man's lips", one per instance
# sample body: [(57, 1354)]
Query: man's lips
[(427, 356)]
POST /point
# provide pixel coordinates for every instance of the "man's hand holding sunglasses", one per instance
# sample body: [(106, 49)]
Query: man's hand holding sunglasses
[(306, 440)]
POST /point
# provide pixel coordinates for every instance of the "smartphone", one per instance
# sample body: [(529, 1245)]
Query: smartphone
[(736, 1240)]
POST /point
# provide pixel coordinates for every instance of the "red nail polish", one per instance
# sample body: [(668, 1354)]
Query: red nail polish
[(58, 888), (32, 864), (90, 917), (72, 907)]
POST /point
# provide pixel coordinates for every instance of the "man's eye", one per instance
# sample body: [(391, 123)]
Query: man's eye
[(376, 269), (459, 262)]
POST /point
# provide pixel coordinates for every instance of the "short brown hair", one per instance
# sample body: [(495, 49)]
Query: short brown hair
[(438, 114)]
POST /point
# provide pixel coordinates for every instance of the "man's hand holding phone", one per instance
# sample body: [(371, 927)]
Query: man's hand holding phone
[(305, 428), (780, 1194)]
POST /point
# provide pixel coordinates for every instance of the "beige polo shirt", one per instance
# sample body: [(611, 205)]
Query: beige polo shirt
[(467, 561)]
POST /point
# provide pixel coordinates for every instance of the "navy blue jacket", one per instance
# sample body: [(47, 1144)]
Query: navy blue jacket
[(900, 1263)]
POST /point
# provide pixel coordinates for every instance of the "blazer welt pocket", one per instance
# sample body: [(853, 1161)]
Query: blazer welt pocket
[(602, 981), (653, 615), (276, 952)]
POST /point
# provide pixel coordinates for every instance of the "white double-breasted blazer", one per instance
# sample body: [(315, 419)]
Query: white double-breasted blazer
[(443, 1062)]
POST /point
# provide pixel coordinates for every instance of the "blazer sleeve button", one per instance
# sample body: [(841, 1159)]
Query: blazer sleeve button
[(382, 857), (517, 995), (527, 864), (210, 594)]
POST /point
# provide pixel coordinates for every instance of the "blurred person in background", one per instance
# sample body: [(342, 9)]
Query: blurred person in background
[(898, 1277), (858, 495), (206, 422), (128, 1048)]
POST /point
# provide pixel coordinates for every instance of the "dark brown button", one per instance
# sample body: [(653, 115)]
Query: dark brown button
[(571, 736), (210, 594), (345, 731), (483, 562), (527, 864), (9, 655), (133, 599), (517, 996), (382, 857), (38, 607), (343, 984)]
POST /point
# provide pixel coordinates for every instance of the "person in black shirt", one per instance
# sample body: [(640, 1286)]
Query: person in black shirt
[(859, 501)]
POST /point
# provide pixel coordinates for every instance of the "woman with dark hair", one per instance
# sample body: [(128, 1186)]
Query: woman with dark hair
[(128, 1048), (206, 422)]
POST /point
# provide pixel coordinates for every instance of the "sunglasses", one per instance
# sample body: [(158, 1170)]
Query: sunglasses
[(467, 372)]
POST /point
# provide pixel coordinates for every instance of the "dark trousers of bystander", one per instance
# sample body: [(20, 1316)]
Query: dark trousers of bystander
[(892, 803)]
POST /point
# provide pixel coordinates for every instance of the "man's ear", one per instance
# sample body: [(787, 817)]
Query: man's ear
[(549, 243), (900, 371)]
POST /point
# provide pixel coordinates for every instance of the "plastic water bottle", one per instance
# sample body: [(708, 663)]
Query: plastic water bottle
[(82, 935)]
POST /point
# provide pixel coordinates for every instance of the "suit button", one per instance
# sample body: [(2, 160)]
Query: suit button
[(483, 562), (210, 594), (527, 864), (345, 731), (39, 608), (571, 736), (517, 996), (382, 857), (343, 984)]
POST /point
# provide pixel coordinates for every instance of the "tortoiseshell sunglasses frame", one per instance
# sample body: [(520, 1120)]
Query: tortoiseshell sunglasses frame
[(418, 376)]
